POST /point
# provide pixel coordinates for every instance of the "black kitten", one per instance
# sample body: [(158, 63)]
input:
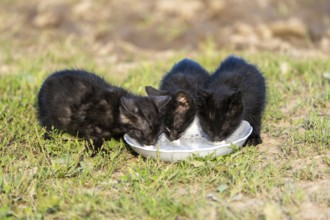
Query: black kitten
[(83, 104), (184, 84), (235, 92)]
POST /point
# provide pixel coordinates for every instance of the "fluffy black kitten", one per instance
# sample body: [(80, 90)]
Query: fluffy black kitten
[(83, 104), (183, 83), (235, 92)]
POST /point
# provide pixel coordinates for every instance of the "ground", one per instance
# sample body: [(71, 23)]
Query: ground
[(132, 44)]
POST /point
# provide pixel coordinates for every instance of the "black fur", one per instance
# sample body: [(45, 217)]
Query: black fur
[(183, 83), (83, 104), (235, 92)]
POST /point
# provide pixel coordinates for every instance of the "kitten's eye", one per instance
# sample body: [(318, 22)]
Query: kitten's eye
[(167, 129), (202, 114)]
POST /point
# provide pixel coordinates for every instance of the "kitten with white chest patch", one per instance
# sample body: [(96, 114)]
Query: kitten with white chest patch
[(83, 104), (183, 83), (236, 91)]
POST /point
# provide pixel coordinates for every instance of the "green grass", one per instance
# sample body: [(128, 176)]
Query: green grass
[(57, 179)]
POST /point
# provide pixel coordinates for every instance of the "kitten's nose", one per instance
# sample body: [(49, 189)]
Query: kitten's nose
[(151, 141), (171, 138), (217, 138), (174, 136)]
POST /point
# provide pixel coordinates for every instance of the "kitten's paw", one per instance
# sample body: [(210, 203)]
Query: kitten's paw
[(94, 146), (48, 136), (253, 141)]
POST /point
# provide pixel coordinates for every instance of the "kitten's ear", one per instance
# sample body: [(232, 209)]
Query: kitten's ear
[(151, 91), (184, 101), (160, 101), (129, 105)]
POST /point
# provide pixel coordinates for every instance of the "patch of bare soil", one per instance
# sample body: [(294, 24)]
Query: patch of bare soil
[(317, 203), (175, 24)]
